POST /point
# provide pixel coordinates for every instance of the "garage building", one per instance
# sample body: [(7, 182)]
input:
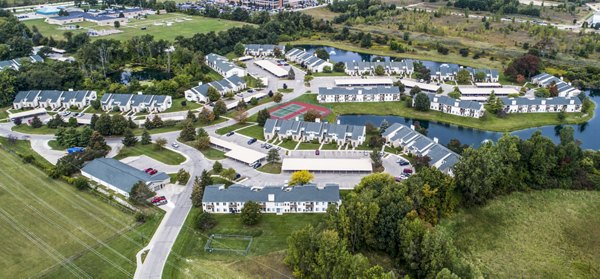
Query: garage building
[(121, 177), (327, 165), (239, 153), (271, 68)]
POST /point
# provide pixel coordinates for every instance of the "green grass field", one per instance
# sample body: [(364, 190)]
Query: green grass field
[(55, 146), (490, 122), (309, 146), (253, 131), (26, 129), (265, 259), (213, 154), (176, 105), (225, 130), (186, 28), (230, 243), (46, 221), (541, 234), (271, 168), (163, 155)]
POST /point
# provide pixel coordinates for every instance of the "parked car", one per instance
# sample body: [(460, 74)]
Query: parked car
[(278, 148), (398, 178), (251, 141), (250, 90), (67, 113), (175, 145), (158, 199), (152, 172), (75, 150), (257, 165), (317, 152), (403, 163), (148, 170), (268, 146), (230, 134), (407, 171), (163, 202), (237, 176)]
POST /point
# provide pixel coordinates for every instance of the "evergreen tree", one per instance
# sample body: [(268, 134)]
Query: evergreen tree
[(103, 125), (191, 116), (118, 124), (188, 133), (197, 191), (219, 109), (146, 139), (93, 121), (262, 117), (36, 122), (131, 124), (129, 138)]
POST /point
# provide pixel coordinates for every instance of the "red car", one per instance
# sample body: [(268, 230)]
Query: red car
[(148, 170), (159, 199), (152, 172), (407, 171)]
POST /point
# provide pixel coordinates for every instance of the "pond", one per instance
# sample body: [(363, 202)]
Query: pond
[(587, 132), (340, 55)]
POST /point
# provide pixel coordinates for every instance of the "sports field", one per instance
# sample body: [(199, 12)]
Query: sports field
[(292, 109), (167, 27), (48, 227)]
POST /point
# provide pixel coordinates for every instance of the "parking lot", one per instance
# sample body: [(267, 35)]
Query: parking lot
[(340, 154)]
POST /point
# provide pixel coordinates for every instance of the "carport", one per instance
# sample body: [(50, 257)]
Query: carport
[(238, 153), (327, 165)]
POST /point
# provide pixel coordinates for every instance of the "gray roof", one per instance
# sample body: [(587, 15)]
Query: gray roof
[(391, 129), (437, 152), (26, 96), (241, 193), (269, 126), (77, 96), (359, 90), (523, 101), (422, 142), (220, 62), (117, 99), (50, 95), (449, 162), (466, 104), (119, 174)]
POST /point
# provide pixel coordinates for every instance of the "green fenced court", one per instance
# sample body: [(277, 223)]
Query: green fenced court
[(296, 109)]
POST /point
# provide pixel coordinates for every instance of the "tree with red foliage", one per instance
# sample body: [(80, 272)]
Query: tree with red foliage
[(527, 65)]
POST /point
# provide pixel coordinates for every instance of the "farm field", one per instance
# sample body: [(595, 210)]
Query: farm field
[(541, 234), (49, 227), (156, 25), (265, 259)]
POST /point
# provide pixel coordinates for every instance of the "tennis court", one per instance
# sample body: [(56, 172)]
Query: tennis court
[(296, 109)]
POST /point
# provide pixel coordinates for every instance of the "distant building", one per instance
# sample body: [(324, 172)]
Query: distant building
[(442, 158), (200, 93), (15, 64), (307, 60), (223, 66), (120, 177), (532, 105), (404, 67), (315, 131), (262, 50), (594, 20), (272, 4), (135, 102), (358, 94), (482, 94), (272, 199), (564, 89), (53, 99), (458, 107), (102, 18)]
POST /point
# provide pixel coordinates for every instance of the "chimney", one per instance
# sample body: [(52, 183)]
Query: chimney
[(271, 197), (412, 127), (70, 89), (435, 99), (572, 102), (318, 120), (338, 122), (359, 91), (139, 93), (435, 140), (514, 102), (297, 118), (199, 83), (543, 102), (456, 103)]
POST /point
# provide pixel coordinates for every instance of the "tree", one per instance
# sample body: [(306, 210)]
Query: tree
[(308, 78), (129, 139), (36, 122), (103, 125), (188, 133), (312, 115), (93, 121), (455, 94), (239, 49), (464, 52), (527, 65), (81, 183), (219, 109), (146, 139), (415, 90), (366, 41), (253, 101), (213, 94), (131, 124), (140, 192), (217, 167), (463, 77), (206, 116), (273, 156), (157, 121), (322, 53), (262, 117), (480, 76), (192, 116), (251, 213), (72, 122), (376, 159), (339, 67), (456, 146), (327, 69), (422, 102), (277, 97), (205, 221), (198, 190), (379, 70), (8, 82), (160, 143), (384, 125), (242, 105), (202, 143), (241, 116), (117, 24), (301, 177), (291, 74), (118, 124), (183, 176)]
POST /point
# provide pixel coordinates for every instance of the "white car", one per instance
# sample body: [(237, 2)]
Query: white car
[(175, 145)]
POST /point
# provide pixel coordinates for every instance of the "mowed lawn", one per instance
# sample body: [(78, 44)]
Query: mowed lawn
[(44, 221), (541, 234), (164, 155), (156, 25), (265, 259)]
